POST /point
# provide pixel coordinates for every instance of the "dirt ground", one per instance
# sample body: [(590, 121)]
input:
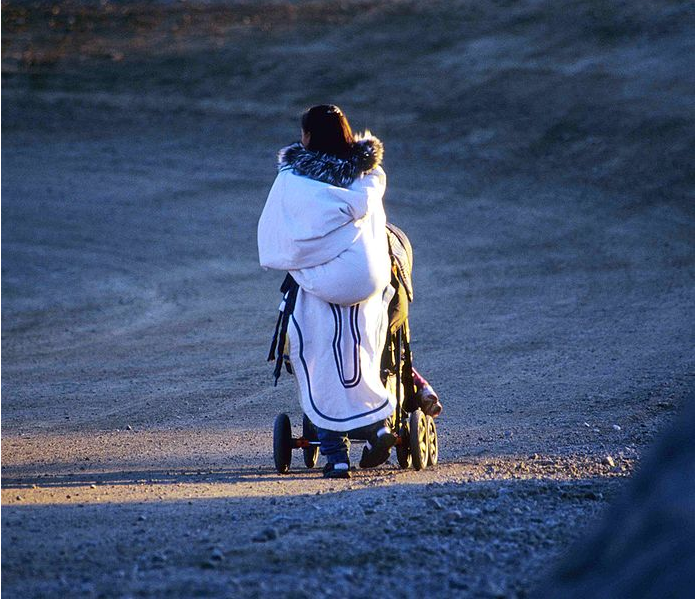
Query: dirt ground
[(540, 157)]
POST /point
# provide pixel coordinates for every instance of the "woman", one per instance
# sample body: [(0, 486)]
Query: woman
[(324, 223)]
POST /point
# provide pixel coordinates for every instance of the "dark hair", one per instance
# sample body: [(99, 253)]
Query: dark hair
[(329, 129)]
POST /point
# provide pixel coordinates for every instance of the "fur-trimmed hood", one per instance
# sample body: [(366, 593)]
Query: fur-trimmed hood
[(367, 154)]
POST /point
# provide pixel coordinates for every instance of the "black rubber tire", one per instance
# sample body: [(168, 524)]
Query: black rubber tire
[(282, 443), (310, 434), (403, 451), (432, 442), (418, 437)]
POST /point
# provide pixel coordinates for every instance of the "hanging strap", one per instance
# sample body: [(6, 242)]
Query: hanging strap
[(407, 372), (289, 289), (411, 403), (273, 346)]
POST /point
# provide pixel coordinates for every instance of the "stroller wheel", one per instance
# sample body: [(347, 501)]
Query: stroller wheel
[(310, 434), (282, 443), (418, 436), (432, 442)]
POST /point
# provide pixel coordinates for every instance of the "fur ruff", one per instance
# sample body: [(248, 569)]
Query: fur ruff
[(367, 153)]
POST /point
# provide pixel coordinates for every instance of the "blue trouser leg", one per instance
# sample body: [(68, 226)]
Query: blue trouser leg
[(335, 445)]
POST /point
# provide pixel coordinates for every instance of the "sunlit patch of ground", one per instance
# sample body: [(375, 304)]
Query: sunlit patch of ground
[(112, 485), (44, 34)]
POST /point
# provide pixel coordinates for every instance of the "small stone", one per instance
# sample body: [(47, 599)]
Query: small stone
[(435, 503), (454, 515), (266, 535), (473, 512), (617, 427), (457, 583), (35, 486), (344, 572), (19, 498), (280, 518), (87, 590), (141, 518), (216, 555), (508, 434), (495, 590), (609, 461), (93, 486), (129, 427)]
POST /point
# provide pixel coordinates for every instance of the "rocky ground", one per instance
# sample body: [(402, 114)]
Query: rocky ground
[(540, 159)]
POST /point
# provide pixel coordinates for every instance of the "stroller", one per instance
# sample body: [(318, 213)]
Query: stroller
[(416, 433)]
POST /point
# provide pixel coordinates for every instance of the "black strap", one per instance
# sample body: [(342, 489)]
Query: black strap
[(407, 372), (397, 362), (287, 284), (290, 289), (273, 346)]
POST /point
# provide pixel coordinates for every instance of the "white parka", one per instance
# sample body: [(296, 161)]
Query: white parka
[(331, 239)]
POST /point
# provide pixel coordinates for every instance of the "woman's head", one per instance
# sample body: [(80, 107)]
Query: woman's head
[(326, 130)]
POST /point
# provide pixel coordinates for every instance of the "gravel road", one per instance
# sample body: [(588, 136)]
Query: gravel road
[(540, 159)]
